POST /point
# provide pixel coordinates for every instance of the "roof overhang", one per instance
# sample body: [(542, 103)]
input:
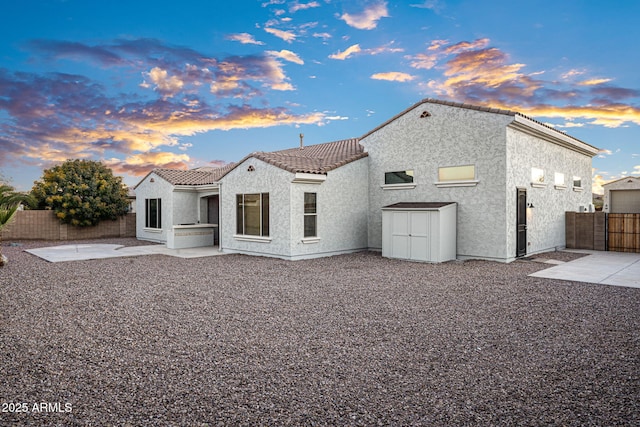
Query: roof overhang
[(539, 130)]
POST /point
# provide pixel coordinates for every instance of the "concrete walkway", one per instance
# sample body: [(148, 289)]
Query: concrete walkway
[(607, 268), (81, 252)]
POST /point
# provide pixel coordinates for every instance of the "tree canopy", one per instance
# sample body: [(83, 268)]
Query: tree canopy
[(81, 192)]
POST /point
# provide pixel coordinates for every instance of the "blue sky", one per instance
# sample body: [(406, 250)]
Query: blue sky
[(141, 84)]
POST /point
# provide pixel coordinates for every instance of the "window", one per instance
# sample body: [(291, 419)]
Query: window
[(153, 213), (252, 214), (399, 177), (577, 183), (558, 181), (457, 173), (537, 178), (310, 215)]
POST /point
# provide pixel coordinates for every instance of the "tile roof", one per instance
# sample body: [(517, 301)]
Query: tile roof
[(315, 159), (200, 176)]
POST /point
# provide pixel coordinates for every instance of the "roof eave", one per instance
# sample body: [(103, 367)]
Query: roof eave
[(532, 127)]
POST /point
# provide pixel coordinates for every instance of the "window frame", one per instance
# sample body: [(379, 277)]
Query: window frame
[(148, 223), (400, 185), (466, 181), (577, 187), (312, 213), (559, 184), (538, 177), (263, 205)]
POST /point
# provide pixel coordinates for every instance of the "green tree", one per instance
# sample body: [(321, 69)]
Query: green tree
[(81, 193), (10, 200)]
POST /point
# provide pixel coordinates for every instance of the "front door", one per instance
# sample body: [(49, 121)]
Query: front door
[(522, 223)]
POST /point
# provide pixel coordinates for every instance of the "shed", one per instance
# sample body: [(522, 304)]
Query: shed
[(420, 231)]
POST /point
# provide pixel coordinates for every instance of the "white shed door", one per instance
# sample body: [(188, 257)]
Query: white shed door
[(400, 235), (419, 235), (410, 235), (625, 201)]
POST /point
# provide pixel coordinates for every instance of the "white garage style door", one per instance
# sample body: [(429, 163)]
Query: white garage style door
[(625, 201), (419, 231)]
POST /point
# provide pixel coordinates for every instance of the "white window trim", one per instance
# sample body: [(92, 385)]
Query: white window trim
[(539, 184), (578, 189), (560, 187), (248, 238), (464, 183), (152, 230), (407, 186)]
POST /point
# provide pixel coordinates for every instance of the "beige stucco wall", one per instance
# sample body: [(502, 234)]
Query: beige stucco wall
[(449, 137), (342, 205), (265, 178), (159, 189), (546, 220)]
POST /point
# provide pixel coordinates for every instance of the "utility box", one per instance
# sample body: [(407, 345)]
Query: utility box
[(420, 231)]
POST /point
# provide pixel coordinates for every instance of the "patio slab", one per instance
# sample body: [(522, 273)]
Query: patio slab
[(607, 268), (79, 252)]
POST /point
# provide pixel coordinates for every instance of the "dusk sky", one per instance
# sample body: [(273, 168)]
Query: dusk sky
[(139, 84)]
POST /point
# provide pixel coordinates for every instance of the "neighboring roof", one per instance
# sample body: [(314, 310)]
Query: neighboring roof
[(622, 179), (418, 205), (479, 108), (200, 176), (313, 159)]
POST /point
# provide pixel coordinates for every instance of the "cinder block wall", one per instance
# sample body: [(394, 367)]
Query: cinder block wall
[(43, 225)]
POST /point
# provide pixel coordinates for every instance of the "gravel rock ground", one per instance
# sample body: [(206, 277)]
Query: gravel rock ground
[(348, 340)]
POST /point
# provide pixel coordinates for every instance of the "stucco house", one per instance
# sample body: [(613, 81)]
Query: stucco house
[(622, 195), (480, 182)]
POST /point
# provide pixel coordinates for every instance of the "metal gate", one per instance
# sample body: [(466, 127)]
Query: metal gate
[(623, 232)]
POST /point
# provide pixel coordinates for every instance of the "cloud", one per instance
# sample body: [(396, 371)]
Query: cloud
[(435, 5), (288, 36), (143, 163), (324, 36), (351, 50), (572, 73), (393, 76), (593, 82), (356, 49), (476, 72), (165, 84), (244, 38), (50, 117), (287, 55), (368, 18), (300, 6)]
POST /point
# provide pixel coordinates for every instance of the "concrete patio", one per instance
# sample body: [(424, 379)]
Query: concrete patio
[(78, 252), (607, 268)]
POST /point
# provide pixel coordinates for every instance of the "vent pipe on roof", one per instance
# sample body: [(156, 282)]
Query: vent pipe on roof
[(301, 141)]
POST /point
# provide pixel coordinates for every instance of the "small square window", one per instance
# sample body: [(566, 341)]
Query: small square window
[(398, 177), (537, 176), (577, 182)]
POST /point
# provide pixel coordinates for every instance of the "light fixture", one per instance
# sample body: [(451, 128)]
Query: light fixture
[(530, 205)]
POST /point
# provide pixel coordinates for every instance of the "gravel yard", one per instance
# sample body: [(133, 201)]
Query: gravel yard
[(347, 340)]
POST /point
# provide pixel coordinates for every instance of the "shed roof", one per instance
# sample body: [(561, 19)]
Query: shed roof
[(418, 205)]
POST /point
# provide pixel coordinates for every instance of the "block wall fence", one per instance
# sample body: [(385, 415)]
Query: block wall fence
[(43, 225)]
